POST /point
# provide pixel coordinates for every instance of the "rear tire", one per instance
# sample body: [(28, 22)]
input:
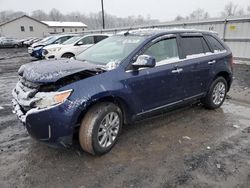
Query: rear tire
[(100, 128), (216, 94), (68, 55)]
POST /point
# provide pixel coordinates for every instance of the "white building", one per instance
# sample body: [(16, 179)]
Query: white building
[(26, 26)]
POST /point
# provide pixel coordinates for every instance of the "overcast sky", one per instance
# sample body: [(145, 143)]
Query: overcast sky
[(163, 10)]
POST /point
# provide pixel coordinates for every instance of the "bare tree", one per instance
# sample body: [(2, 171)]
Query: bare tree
[(56, 15), (179, 18), (93, 20), (240, 12), (9, 15), (248, 10), (229, 10), (39, 15), (198, 14)]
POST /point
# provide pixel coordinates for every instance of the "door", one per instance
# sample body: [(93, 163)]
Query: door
[(156, 87), (195, 66)]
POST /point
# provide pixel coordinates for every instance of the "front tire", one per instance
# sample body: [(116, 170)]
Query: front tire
[(216, 94), (68, 55), (100, 128)]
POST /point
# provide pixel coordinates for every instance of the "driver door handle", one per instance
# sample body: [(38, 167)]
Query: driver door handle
[(177, 70), (211, 62)]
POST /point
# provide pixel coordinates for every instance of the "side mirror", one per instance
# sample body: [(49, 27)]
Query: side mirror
[(79, 43), (144, 61)]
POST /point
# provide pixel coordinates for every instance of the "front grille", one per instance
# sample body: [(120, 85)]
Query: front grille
[(24, 93), (28, 84)]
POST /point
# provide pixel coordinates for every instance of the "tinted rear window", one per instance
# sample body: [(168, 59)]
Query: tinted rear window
[(194, 45), (215, 44), (88, 40), (99, 38)]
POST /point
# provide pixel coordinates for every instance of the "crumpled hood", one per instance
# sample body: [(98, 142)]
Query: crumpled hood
[(53, 70)]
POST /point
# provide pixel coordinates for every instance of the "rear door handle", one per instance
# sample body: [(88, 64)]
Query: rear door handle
[(211, 62), (177, 70)]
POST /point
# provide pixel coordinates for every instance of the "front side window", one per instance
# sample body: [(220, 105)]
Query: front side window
[(163, 51), (59, 40), (63, 39), (215, 44), (87, 40), (31, 29), (22, 29), (192, 46), (71, 40)]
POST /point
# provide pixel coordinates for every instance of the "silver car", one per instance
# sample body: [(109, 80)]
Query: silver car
[(9, 42)]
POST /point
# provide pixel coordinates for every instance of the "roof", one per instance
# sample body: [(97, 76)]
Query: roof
[(64, 24), (50, 23), (20, 18)]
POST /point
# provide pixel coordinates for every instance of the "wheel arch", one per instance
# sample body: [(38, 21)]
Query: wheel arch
[(67, 53), (227, 77), (121, 103)]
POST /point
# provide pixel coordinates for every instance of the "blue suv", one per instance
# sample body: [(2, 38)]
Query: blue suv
[(122, 79)]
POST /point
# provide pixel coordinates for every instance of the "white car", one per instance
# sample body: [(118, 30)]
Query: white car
[(72, 47)]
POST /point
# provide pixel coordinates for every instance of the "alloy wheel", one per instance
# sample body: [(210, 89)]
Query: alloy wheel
[(108, 129), (219, 93)]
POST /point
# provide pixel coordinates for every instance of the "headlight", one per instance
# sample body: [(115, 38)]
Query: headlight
[(55, 49), (47, 99)]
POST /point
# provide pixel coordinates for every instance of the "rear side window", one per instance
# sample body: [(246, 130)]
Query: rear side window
[(99, 38), (215, 44), (163, 50), (194, 46)]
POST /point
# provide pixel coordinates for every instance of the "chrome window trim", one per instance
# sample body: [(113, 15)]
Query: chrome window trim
[(170, 104), (181, 60)]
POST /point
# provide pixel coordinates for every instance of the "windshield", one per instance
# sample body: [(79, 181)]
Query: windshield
[(111, 50), (71, 40), (45, 39), (51, 40)]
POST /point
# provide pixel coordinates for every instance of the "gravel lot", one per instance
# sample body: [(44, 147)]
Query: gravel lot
[(189, 147)]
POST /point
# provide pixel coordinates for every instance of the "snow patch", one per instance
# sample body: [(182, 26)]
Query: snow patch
[(236, 126), (168, 61), (113, 64), (186, 138)]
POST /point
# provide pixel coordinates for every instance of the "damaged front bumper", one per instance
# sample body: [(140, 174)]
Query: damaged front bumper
[(54, 125), (17, 110)]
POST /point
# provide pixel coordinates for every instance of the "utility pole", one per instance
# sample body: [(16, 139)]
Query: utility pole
[(103, 21)]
